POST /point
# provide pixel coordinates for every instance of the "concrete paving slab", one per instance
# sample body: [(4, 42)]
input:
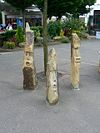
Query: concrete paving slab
[(24, 111)]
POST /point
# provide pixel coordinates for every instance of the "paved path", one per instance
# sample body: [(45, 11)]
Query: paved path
[(27, 112)]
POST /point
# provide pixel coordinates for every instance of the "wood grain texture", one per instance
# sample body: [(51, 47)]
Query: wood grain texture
[(29, 70), (75, 61), (52, 86)]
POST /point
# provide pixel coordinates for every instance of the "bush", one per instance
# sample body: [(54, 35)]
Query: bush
[(54, 28), (13, 39), (9, 34), (2, 39), (74, 25), (9, 45), (37, 31), (20, 35)]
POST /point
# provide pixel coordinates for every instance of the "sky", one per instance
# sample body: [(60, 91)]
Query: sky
[(97, 1)]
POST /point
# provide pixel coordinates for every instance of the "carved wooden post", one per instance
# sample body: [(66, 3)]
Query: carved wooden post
[(75, 61), (52, 86), (29, 70)]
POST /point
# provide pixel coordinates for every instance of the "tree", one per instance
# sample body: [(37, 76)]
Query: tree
[(60, 7), (82, 8), (21, 5), (55, 8), (45, 47)]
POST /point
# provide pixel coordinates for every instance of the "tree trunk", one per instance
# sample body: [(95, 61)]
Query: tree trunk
[(45, 46)]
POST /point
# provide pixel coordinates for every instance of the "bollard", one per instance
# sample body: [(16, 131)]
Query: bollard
[(29, 70), (75, 61), (51, 74)]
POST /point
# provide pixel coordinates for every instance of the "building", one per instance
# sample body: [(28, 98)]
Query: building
[(92, 19), (33, 15)]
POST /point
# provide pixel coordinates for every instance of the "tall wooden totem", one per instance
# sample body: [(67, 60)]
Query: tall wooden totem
[(29, 70), (52, 83), (75, 61)]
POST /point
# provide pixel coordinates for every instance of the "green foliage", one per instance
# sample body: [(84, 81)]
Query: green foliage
[(9, 45), (74, 25), (82, 8), (60, 7), (68, 26), (37, 31), (55, 7), (54, 28), (20, 35), (9, 34), (20, 4), (2, 39), (51, 29), (13, 39)]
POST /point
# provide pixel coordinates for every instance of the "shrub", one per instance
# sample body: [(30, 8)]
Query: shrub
[(9, 45), (2, 39), (37, 31), (20, 35), (74, 25), (9, 34), (13, 39), (54, 28)]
